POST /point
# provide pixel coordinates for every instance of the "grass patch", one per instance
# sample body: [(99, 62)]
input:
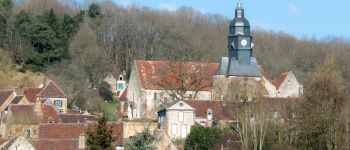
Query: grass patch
[(111, 110)]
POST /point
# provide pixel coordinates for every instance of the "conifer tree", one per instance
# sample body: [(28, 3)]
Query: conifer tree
[(100, 137)]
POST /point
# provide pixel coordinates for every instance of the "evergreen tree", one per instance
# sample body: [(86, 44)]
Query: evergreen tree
[(94, 10), (141, 141), (100, 137), (201, 138)]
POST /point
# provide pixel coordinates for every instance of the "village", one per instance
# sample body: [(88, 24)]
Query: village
[(172, 105), (38, 117)]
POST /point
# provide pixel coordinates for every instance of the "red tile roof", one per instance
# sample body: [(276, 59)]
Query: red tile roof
[(23, 114), (51, 90), (31, 94), (72, 112), (277, 83), (263, 73), (77, 118), (124, 94), (4, 95), (159, 75), (60, 130), (50, 114), (202, 106), (49, 144)]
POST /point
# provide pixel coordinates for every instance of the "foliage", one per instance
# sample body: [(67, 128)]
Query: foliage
[(100, 137), (105, 91), (5, 61), (201, 138), (94, 10), (141, 141), (319, 120)]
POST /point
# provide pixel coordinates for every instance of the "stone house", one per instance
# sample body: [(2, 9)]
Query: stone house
[(177, 118), (155, 83), (49, 94)]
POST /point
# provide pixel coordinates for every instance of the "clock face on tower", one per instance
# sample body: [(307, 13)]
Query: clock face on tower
[(244, 42)]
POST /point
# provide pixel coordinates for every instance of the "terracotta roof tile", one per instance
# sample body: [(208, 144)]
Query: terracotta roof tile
[(49, 144), (202, 106), (31, 94), (23, 114), (76, 118), (52, 90), (60, 130), (263, 73), (50, 114), (158, 75), (72, 112), (4, 95), (124, 94), (277, 83)]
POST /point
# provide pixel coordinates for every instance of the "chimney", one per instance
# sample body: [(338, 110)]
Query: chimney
[(38, 106), (81, 141)]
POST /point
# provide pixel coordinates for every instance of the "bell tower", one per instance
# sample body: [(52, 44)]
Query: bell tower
[(240, 61), (239, 38)]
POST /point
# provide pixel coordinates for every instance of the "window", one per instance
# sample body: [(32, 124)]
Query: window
[(155, 96), (120, 86), (183, 131), (181, 116), (58, 103), (50, 90), (173, 129)]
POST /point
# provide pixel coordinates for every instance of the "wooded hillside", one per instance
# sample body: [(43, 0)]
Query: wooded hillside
[(78, 43)]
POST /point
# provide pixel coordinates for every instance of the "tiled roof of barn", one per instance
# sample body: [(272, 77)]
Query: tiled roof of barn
[(202, 107), (23, 114), (31, 94), (277, 83), (55, 144), (77, 118), (60, 130), (50, 114), (4, 95), (160, 75)]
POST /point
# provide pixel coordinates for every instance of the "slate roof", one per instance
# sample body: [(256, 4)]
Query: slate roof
[(232, 68), (4, 95), (60, 130), (31, 94), (160, 75), (76, 118), (202, 106), (53, 144)]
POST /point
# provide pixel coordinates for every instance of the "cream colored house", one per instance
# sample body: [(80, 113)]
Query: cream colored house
[(177, 119)]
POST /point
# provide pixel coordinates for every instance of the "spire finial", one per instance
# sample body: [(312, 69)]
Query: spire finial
[(239, 4)]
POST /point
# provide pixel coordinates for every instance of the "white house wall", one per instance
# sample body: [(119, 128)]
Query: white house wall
[(134, 91), (290, 87), (173, 119)]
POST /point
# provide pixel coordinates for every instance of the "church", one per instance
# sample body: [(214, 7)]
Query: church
[(155, 84)]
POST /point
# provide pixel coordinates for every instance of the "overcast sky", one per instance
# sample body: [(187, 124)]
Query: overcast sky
[(301, 18)]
